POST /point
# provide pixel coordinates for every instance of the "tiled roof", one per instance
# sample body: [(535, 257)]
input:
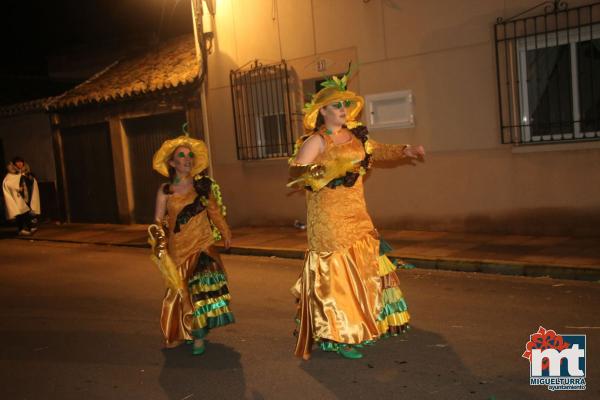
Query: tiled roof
[(170, 65), (32, 106)]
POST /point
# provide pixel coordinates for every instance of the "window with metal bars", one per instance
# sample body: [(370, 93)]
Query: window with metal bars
[(548, 69), (262, 111)]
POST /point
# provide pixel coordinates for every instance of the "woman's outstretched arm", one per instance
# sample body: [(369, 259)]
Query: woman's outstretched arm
[(394, 152)]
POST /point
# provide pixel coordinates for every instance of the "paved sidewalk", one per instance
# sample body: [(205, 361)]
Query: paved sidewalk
[(555, 256)]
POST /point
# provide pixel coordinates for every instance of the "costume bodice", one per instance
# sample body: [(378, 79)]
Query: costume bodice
[(337, 217), (193, 236), (341, 153)]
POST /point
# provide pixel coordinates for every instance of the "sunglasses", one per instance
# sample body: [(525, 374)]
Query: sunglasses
[(340, 104), (181, 154)]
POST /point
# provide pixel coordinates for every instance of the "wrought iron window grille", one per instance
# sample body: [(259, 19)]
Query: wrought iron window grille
[(262, 111), (548, 74)]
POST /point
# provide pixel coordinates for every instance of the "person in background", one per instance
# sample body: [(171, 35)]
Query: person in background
[(21, 196)]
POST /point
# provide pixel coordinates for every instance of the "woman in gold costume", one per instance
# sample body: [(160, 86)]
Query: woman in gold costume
[(189, 219), (348, 293)]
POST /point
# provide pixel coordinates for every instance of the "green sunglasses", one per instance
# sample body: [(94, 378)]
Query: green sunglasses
[(181, 154), (340, 104)]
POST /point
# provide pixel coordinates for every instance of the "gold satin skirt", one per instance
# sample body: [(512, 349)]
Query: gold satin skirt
[(349, 296)]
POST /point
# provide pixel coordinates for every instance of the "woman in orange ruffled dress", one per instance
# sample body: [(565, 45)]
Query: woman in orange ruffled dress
[(348, 293), (190, 218)]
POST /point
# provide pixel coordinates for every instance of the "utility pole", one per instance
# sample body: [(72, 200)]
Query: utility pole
[(202, 57)]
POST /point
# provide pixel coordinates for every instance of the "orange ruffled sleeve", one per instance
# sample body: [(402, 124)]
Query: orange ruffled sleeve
[(385, 152)]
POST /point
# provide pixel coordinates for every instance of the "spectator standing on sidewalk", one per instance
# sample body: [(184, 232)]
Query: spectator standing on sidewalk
[(21, 196)]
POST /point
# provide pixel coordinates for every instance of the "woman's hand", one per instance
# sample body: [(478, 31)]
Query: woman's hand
[(414, 151)]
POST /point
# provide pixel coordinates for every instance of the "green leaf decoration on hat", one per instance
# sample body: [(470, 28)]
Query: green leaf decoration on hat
[(333, 82), (336, 83)]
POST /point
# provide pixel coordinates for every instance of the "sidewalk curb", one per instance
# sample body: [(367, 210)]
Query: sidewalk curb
[(34, 239), (481, 266), (508, 268), (485, 266)]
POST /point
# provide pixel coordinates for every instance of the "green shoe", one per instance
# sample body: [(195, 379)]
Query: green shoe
[(349, 352), (199, 350)]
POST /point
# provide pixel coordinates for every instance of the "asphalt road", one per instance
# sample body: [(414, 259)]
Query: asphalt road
[(81, 322)]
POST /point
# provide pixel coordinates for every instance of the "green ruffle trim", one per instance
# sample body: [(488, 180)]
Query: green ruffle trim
[(393, 302), (334, 346), (216, 192), (384, 247), (205, 279), (392, 308), (210, 307), (328, 345), (214, 322)]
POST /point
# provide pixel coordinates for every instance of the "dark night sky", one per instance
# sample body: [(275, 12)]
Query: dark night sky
[(34, 31)]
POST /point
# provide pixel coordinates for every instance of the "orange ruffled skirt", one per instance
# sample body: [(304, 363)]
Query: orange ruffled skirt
[(190, 314)]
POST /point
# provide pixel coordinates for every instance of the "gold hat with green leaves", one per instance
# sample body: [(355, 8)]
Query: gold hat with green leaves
[(160, 161), (334, 91)]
